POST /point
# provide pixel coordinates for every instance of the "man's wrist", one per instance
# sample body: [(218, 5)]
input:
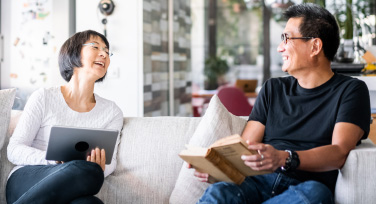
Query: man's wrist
[(292, 161), (285, 155)]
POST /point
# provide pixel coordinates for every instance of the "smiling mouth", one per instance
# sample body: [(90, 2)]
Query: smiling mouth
[(99, 63), (284, 58)]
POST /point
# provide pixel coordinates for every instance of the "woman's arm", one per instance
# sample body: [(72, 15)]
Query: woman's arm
[(19, 149), (117, 124)]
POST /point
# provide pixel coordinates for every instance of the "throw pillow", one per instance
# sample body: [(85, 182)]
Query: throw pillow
[(6, 103), (215, 124)]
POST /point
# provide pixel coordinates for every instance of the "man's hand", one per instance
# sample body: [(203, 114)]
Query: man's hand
[(203, 177), (98, 156), (268, 158)]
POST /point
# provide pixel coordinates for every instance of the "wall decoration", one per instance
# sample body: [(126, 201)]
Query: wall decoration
[(32, 48)]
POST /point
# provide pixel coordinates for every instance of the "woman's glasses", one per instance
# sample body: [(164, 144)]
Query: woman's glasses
[(94, 46)]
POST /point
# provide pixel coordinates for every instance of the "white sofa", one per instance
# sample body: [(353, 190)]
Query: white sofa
[(148, 164)]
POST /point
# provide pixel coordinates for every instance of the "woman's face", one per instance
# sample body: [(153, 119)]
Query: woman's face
[(95, 57)]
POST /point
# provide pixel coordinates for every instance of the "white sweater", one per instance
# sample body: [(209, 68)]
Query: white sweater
[(47, 107)]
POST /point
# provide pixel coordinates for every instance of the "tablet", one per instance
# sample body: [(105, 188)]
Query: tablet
[(74, 143)]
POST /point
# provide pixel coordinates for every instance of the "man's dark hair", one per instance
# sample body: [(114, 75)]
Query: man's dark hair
[(319, 23), (70, 53)]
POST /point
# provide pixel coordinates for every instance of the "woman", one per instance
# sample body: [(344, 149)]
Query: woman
[(83, 60)]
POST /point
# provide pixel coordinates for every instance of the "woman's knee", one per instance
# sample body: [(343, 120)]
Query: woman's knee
[(87, 200), (87, 173)]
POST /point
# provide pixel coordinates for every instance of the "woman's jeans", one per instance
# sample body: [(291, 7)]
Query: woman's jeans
[(72, 182), (269, 188)]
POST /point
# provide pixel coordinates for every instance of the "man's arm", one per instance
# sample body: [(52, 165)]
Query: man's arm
[(331, 157), (268, 158), (324, 158), (253, 132)]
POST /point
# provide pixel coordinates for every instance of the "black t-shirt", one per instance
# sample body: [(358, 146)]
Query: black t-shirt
[(296, 118)]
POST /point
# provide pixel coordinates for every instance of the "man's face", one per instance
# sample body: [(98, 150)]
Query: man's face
[(296, 52)]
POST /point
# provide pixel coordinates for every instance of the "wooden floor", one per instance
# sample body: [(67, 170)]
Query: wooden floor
[(372, 133)]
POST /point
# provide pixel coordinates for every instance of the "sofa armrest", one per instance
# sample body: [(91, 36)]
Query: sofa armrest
[(356, 180)]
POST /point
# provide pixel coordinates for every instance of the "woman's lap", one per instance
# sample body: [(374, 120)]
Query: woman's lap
[(60, 183)]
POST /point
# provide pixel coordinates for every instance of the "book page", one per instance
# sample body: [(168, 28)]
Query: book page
[(229, 140)]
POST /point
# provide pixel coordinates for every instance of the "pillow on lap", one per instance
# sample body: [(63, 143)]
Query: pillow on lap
[(215, 124)]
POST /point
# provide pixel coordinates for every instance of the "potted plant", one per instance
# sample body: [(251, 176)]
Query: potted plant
[(346, 50), (214, 70)]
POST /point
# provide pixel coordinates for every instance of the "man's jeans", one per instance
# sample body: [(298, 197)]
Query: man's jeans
[(268, 188), (71, 182)]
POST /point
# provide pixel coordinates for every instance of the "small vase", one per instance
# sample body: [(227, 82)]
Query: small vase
[(345, 53)]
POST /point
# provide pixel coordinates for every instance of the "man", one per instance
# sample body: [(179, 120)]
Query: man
[(304, 125)]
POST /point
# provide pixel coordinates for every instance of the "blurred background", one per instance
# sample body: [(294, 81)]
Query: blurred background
[(171, 56)]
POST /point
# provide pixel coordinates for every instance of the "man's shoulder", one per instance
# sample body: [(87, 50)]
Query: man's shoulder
[(348, 80), (285, 80)]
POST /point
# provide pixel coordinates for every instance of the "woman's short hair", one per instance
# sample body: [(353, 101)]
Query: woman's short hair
[(319, 23), (70, 53)]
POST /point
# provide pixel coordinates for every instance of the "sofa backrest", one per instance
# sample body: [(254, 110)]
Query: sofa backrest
[(147, 160), (5, 165)]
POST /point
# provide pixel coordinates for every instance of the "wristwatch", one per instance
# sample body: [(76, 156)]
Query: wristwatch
[(292, 162)]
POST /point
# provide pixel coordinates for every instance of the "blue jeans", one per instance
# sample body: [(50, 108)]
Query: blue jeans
[(72, 182), (268, 189)]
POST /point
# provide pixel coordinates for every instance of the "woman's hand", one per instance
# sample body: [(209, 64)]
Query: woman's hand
[(268, 158), (203, 177), (98, 156)]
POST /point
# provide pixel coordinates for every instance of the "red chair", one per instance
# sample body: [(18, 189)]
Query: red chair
[(234, 100)]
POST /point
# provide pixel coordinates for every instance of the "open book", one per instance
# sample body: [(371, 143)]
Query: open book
[(222, 159)]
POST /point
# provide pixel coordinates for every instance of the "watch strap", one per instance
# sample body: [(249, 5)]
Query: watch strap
[(292, 161)]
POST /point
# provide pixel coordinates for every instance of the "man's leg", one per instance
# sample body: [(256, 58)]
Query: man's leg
[(254, 189), (304, 193), (54, 183)]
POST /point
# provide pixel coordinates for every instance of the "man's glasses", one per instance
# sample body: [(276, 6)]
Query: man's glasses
[(94, 46), (284, 38)]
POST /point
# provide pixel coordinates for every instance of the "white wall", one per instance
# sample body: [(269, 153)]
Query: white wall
[(5, 31), (371, 84), (10, 14), (62, 30), (124, 82), (198, 42)]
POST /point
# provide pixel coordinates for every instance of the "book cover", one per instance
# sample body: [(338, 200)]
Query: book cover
[(222, 160)]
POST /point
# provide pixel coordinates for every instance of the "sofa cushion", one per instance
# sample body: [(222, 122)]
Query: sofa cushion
[(215, 124), (6, 103), (148, 163), (356, 180)]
